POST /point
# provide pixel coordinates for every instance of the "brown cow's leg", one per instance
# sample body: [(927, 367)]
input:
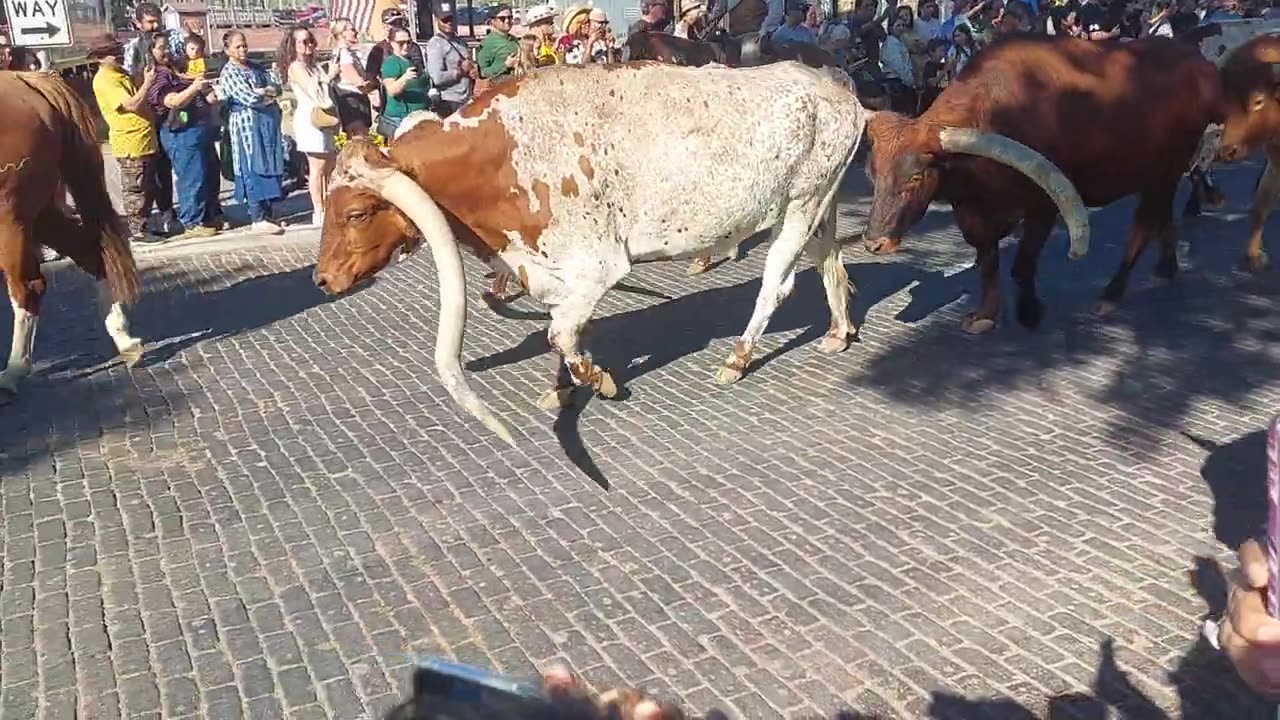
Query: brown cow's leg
[(1264, 200), (70, 238), (1036, 228), (20, 263), (498, 290), (1153, 216), (984, 235)]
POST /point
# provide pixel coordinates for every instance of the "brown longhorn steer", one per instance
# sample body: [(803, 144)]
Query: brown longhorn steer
[(1251, 90), (1117, 118), (52, 141)]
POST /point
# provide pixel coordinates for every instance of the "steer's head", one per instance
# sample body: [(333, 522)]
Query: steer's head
[(908, 158), (363, 231), (1251, 91), (904, 165)]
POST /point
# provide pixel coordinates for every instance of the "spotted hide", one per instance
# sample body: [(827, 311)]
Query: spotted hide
[(567, 177)]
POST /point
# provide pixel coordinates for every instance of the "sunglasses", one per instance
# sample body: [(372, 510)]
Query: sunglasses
[(505, 18)]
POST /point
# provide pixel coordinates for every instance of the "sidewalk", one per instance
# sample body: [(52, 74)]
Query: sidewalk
[(295, 210)]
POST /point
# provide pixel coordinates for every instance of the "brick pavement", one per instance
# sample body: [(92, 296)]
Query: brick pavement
[(282, 505)]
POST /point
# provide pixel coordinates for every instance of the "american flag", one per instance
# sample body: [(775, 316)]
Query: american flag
[(360, 12)]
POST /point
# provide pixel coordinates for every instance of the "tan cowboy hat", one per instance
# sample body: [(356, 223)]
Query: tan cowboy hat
[(573, 18), (687, 8)]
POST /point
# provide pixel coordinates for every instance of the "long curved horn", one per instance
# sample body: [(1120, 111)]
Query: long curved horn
[(1032, 164), (401, 191)]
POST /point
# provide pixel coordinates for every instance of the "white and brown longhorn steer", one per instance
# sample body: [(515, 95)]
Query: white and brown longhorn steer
[(571, 175)]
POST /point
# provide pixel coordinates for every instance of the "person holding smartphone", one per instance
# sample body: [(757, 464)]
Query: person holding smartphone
[(405, 85)]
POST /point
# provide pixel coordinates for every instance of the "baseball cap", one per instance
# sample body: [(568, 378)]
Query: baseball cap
[(393, 16)]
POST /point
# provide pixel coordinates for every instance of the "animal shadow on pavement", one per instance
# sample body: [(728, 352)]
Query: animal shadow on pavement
[(176, 312), (669, 330)]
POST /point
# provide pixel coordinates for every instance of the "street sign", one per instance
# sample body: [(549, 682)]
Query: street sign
[(39, 23)]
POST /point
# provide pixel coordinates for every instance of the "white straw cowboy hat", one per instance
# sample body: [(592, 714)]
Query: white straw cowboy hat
[(539, 13), (685, 9), (598, 15), (570, 18)]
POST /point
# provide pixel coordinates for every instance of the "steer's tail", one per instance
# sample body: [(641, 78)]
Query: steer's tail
[(413, 201), (82, 171)]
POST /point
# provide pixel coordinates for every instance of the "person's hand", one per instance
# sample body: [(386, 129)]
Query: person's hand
[(148, 74), (574, 703), (410, 74), (334, 70), (1248, 635)]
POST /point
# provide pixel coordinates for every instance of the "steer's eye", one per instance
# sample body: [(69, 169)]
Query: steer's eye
[(356, 216), (916, 178)]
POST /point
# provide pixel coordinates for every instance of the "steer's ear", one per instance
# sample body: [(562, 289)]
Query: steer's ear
[(358, 161)]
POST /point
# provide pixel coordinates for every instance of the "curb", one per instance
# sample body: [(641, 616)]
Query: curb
[(231, 240)]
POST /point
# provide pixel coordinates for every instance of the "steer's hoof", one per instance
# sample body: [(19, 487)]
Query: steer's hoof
[(606, 387), (699, 265), (556, 398), (1256, 263), (831, 344), (131, 355), (977, 325), (1103, 308), (727, 375)]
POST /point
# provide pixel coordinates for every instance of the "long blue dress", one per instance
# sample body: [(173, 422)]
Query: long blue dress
[(258, 147)]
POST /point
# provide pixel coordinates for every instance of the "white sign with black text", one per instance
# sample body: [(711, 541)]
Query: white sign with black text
[(39, 23)]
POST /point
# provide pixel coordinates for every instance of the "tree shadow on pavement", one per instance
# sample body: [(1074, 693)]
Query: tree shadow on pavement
[(1211, 334)]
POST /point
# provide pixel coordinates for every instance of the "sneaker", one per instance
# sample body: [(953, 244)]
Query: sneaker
[(166, 223), (148, 237), (267, 227), (199, 231)]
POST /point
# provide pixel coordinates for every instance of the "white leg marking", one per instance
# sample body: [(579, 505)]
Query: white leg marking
[(825, 253), (797, 226), (24, 338), (117, 323)]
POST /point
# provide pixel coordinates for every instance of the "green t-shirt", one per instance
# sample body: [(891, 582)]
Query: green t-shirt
[(414, 95)]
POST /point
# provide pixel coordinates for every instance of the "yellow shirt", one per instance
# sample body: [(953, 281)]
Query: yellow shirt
[(131, 135), (195, 67)]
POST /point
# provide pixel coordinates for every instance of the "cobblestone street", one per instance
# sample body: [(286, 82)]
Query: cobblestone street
[(275, 511)]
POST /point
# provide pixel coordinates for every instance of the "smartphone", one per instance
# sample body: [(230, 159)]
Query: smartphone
[(448, 690), (1273, 518)]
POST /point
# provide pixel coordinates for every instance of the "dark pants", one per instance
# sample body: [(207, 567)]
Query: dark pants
[(164, 181), (213, 182), (188, 151), (445, 108)]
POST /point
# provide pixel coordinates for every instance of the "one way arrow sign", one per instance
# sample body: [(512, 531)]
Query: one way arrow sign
[(39, 23)]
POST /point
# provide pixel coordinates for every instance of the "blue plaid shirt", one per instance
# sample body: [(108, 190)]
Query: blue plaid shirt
[(177, 49)]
